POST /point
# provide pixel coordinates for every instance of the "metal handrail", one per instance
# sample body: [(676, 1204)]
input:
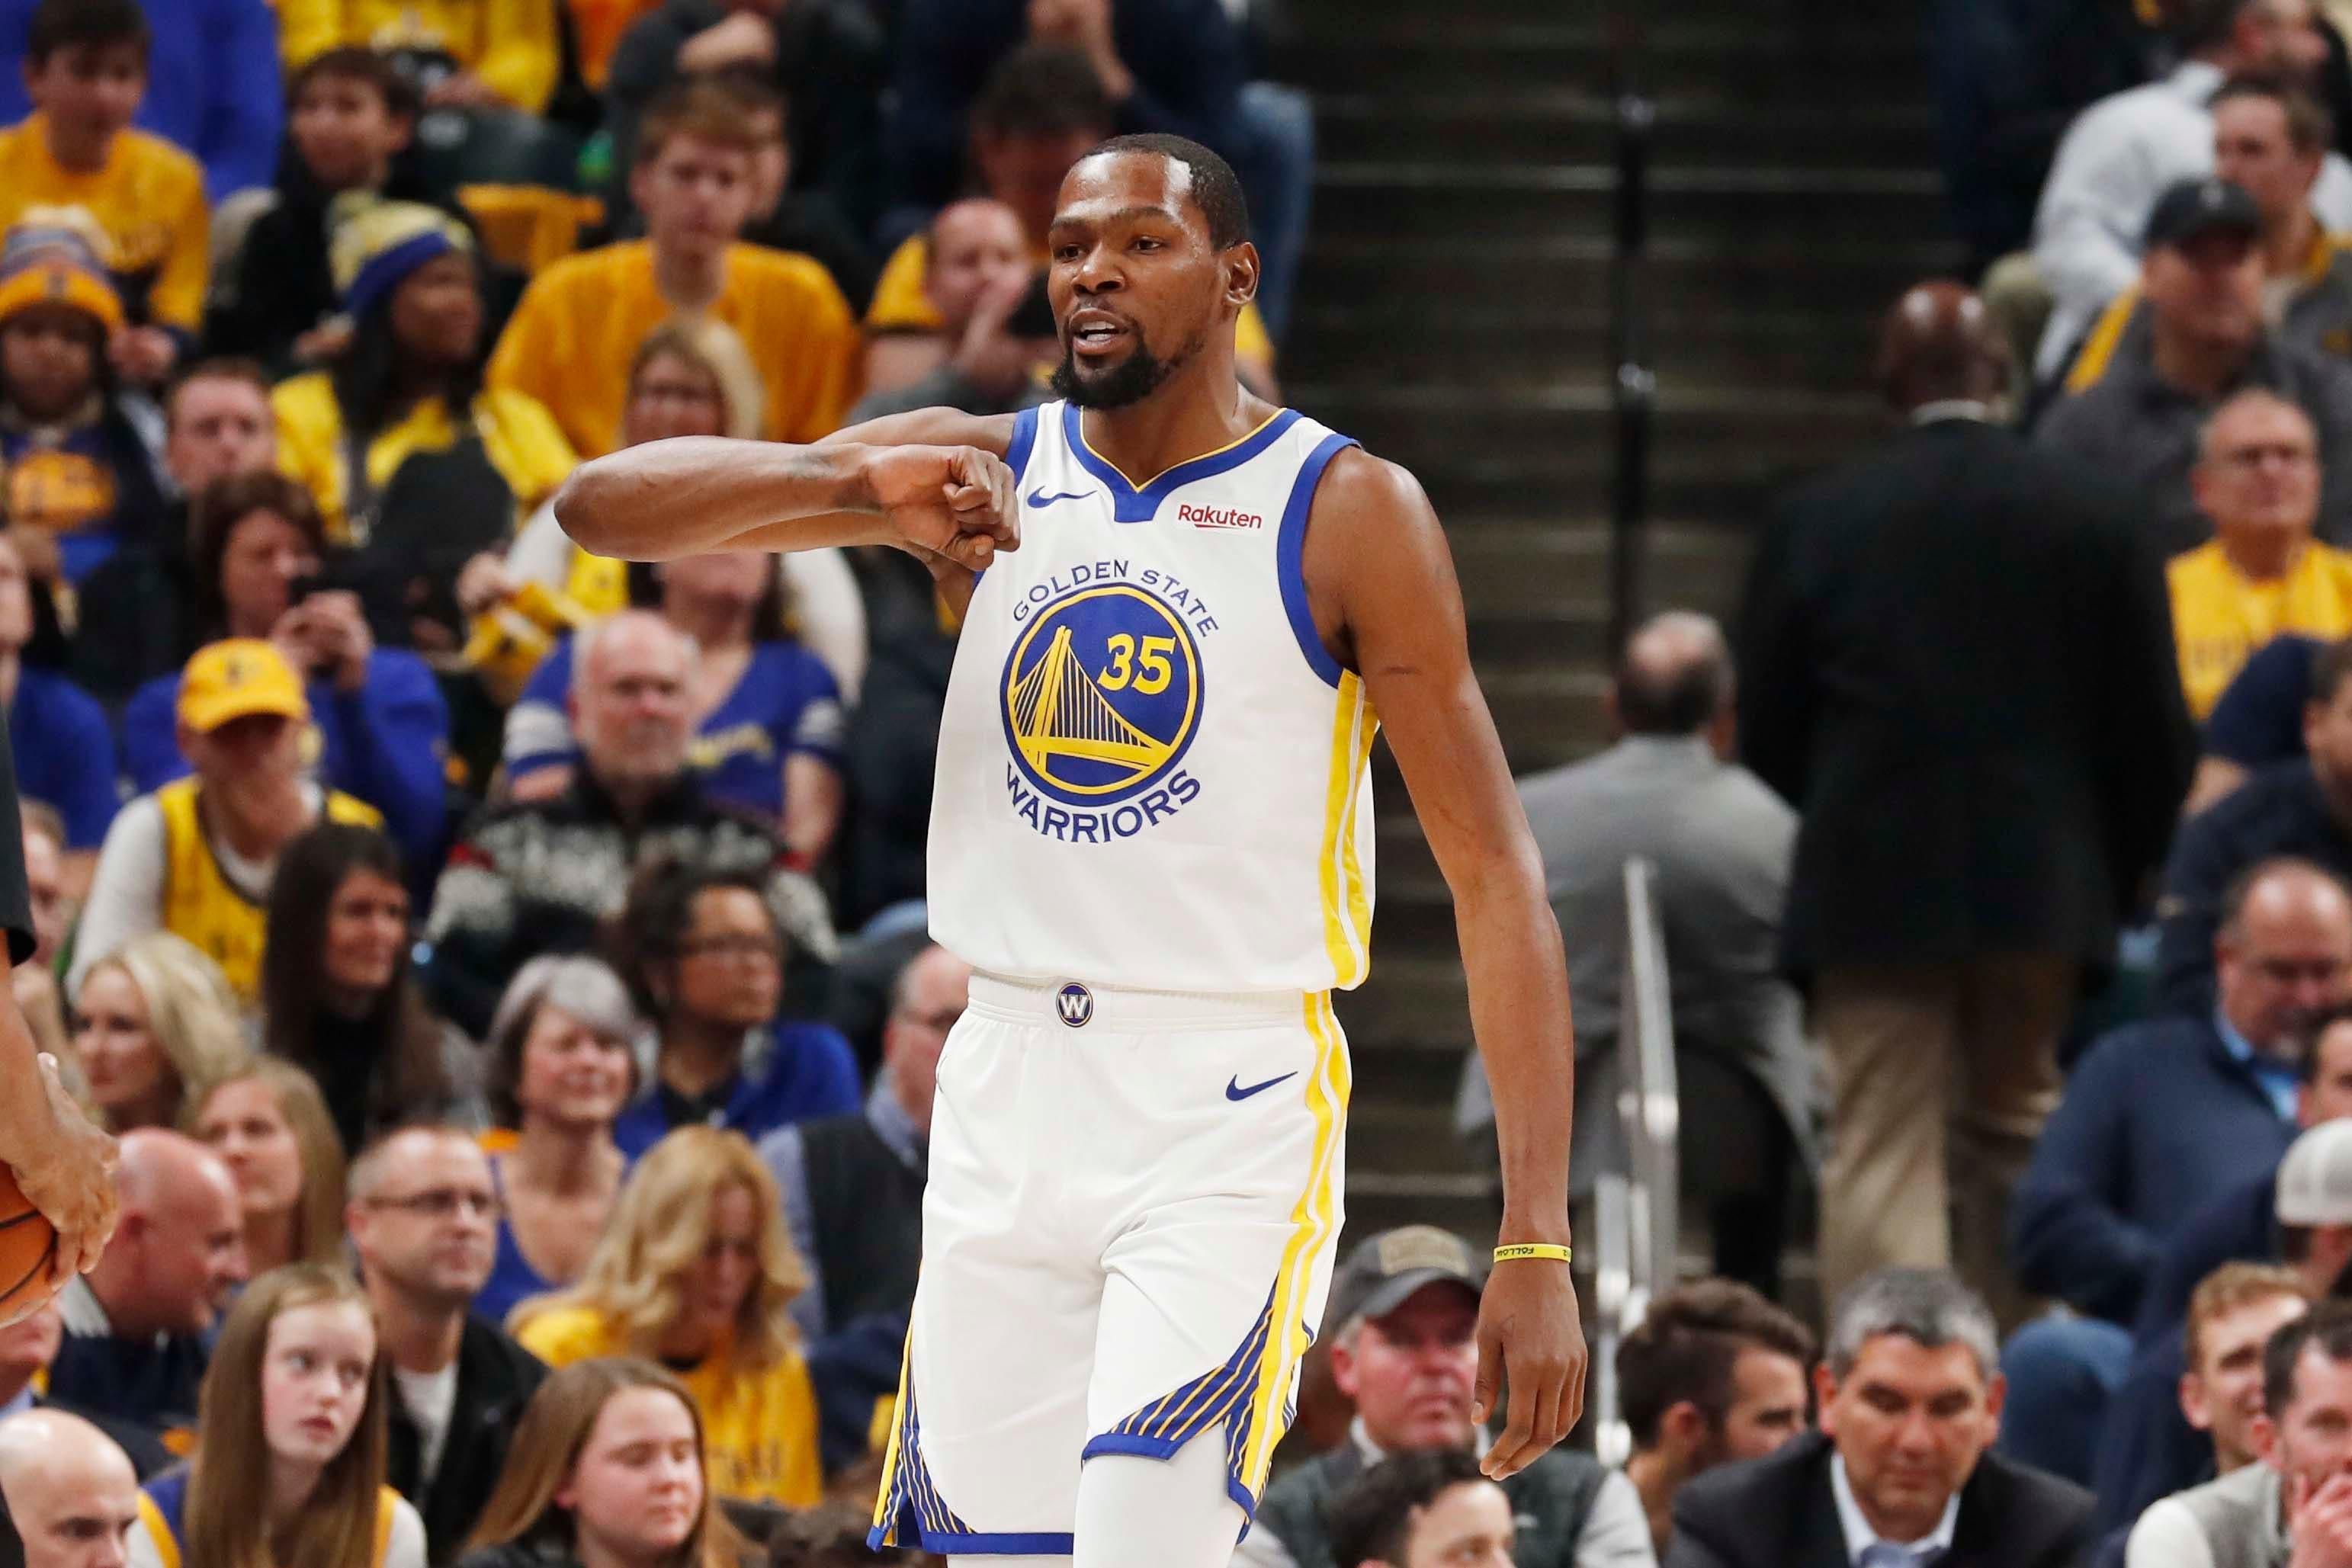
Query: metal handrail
[(1632, 383), (1616, 1312), (1649, 1101)]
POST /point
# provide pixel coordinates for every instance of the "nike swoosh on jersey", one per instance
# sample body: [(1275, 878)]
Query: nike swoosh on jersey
[(1234, 1090), (1041, 500)]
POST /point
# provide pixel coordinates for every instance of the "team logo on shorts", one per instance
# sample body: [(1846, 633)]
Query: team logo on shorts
[(1102, 695), (1076, 1004)]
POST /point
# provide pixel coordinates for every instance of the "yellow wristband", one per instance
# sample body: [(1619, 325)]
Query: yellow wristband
[(1531, 1249)]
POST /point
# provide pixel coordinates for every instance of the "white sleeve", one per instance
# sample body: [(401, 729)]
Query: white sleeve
[(2167, 1537), (541, 552), (142, 1551), (406, 1547), (832, 612), (1260, 1548), (2087, 234), (1616, 1532), (2331, 198), (126, 890)]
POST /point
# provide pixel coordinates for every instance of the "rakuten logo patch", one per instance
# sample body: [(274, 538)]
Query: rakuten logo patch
[(1212, 518)]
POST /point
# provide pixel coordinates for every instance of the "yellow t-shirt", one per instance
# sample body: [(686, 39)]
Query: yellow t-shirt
[(2219, 616), (573, 339), (511, 44), (518, 436), (900, 305), (149, 198), (759, 1428), (202, 907)]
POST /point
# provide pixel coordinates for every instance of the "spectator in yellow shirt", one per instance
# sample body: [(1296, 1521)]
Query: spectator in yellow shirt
[(507, 52), (1042, 110), (2257, 479), (695, 1271), (86, 70), (408, 387), (579, 325)]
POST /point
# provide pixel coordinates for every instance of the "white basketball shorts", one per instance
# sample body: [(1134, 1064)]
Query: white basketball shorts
[(1126, 1242)]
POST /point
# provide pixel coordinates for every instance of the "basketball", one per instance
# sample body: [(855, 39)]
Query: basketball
[(27, 1239)]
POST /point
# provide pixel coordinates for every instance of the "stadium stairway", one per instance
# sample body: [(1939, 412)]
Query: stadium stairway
[(1453, 313)]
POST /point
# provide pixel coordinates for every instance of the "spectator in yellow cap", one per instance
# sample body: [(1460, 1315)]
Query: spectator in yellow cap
[(80, 481), (196, 856), (438, 445)]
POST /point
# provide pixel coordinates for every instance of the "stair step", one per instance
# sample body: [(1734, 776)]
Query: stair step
[(1741, 206), (1400, 340), (1555, 123), (1866, 64)]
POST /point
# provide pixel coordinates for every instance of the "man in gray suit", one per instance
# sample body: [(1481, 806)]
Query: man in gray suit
[(1721, 842)]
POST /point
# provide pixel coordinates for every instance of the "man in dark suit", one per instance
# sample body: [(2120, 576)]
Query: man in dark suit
[(1957, 662), (1899, 1474)]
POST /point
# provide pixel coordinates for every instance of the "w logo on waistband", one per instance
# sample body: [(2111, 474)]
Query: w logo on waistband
[(1075, 1003)]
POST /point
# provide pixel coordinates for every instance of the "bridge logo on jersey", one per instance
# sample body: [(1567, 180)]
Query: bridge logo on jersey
[(1102, 695)]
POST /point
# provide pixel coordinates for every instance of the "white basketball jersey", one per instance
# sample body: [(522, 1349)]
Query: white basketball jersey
[(1151, 773)]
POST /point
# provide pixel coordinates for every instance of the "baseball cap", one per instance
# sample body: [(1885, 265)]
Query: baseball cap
[(1386, 1268), (2315, 1180), (2192, 207), (234, 679)]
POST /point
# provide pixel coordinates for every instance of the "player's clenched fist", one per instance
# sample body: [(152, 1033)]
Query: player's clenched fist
[(954, 501)]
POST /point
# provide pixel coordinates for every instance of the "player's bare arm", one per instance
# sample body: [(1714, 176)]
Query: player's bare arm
[(934, 479), (1380, 582)]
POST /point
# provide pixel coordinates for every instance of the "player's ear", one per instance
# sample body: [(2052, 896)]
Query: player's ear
[(1241, 273)]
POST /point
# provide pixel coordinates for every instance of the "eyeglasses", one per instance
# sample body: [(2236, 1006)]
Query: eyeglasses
[(2255, 457), (443, 1203), (735, 944)]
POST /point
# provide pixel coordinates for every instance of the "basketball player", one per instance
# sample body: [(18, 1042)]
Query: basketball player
[(64, 1165), (1151, 838)]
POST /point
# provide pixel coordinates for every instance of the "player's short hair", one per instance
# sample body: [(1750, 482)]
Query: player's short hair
[(85, 25), (1687, 1347), (1042, 89), (698, 108), (354, 62), (1372, 1520), (2309, 126), (1216, 190), (2229, 1288)]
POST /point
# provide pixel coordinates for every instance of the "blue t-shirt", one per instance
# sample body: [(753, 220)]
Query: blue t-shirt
[(65, 754), (786, 703), (792, 1073), (385, 744), (512, 1279), (2259, 718)]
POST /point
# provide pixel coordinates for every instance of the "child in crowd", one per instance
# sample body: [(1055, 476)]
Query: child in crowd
[(86, 69), (608, 1466), (291, 1441), (696, 1271), (350, 117), (81, 477)]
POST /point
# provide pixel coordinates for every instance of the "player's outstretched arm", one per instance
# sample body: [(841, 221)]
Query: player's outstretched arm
[(1383, 584), (901, 481)]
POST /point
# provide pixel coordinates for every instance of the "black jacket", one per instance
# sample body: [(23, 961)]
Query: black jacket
[(496, 1378), (1778, 1513), (1956, 661)]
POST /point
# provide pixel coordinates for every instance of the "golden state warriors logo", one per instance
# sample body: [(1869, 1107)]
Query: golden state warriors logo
[(1102, 695)]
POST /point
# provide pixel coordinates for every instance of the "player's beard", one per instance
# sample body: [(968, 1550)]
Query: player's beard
[(1130, 380)]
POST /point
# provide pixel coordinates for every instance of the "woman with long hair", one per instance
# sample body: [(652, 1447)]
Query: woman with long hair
[(338, 997), (271, 1126), (560, 1070), (695, 1271), (156, 1025), (290, 1442), (606, 1471), (409, 388)]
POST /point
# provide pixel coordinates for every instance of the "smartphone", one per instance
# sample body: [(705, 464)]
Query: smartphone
[(1034, 317)]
